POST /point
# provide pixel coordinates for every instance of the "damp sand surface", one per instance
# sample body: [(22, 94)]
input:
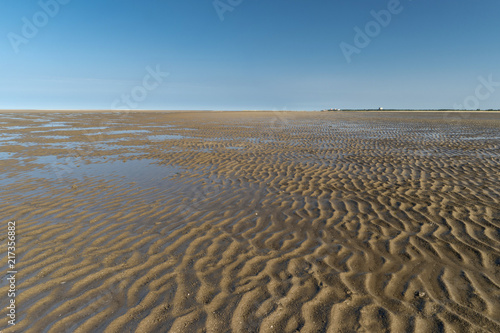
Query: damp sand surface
[(252, 221)]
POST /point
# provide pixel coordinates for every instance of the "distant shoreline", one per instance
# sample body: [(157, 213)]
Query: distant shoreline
[(190, 111)]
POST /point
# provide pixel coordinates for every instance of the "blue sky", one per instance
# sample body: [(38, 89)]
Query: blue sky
[(272, 55)]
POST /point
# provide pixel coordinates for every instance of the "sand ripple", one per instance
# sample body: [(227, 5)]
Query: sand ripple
[(253, 222)]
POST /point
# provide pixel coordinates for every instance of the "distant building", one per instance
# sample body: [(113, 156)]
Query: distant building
[(380, 109)]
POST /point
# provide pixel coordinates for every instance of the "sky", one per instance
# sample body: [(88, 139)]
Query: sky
[(249, 54)]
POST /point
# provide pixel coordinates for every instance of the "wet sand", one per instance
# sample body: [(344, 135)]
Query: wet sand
[(252, 221)]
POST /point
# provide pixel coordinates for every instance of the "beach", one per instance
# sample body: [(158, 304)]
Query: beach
[(251, 221)]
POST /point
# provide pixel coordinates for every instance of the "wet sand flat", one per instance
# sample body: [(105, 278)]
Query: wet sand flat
[(252, 221)]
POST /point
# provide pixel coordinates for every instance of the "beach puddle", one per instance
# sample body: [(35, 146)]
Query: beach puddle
[(125, 132), (144, 172), (4, 156), (162, 137), (53, 124), (56, 137)]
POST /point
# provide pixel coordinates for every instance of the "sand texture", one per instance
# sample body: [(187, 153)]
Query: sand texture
[(252, 222)]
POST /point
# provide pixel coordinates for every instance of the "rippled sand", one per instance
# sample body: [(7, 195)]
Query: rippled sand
[(253, 222)]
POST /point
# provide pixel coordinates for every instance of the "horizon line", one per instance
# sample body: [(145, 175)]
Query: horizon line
[(243, 110)]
